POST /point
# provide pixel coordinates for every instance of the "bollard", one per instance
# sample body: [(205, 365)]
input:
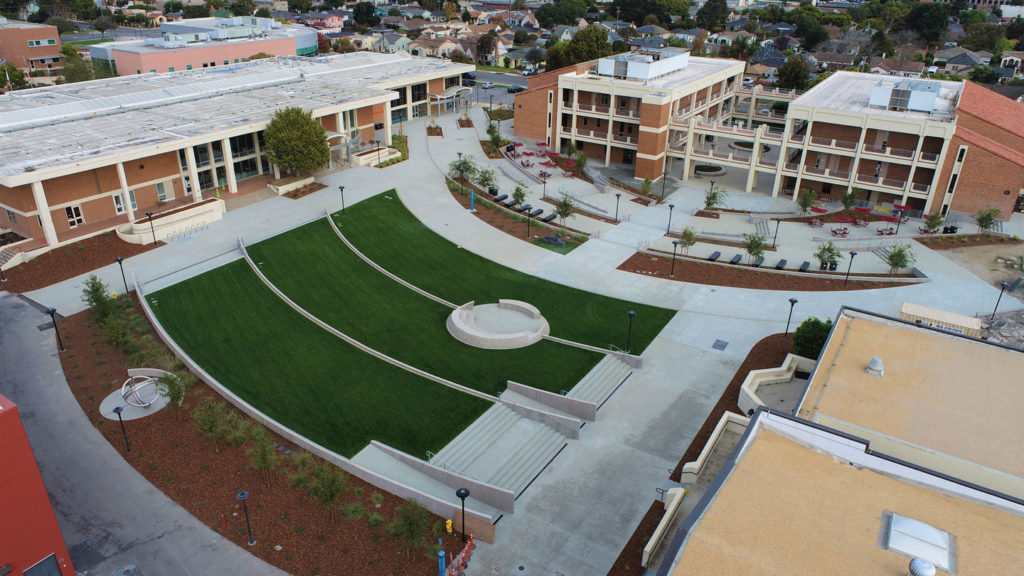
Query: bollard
[(440, 563)]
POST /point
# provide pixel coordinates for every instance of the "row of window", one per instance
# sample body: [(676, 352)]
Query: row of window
[(35, 43), (189, 66)]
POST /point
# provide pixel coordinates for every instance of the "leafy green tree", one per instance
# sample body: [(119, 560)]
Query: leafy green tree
[(63, 24), (581, 160), (712, 15), (410, 526), (984, 75), (465, 166), (958, 6), (535, 55), (687, 238), (984, 36), (242, 8), (451, 10), (519, 195), (485, 47), (195, 11), (969, 17), (645, 187), (810, 337), (714, 197), (755, 246), (849, 200), (564, 208), (104, 23), (641, 10), (933, 221), (296, 141), (466, 16), (85, 10), (806, 199), (460, 57), (828, 254), (15, 73), (486, 178), (793, 74), (173, 6), (1015, 30), (929, 20), (363, 14), (899, 257), (556, 58), (986, 218), (344, 46), (327, 485), (76, 69), (589, 44), (561, 12)]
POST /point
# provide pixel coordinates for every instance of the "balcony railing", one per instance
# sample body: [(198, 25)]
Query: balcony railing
[(624, 138), (920, 187), (929, 157), (591, 134), (626, 112), (566, 105), (887, 182), (584, 107), (814, 170), (891, 152), (796, 138), (790, 166)]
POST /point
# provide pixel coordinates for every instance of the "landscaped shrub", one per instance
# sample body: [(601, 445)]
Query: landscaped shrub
[(810, 337), (264, 458), (410, 525), (353, 510), (97, 296), (208, 416), (374, 519)]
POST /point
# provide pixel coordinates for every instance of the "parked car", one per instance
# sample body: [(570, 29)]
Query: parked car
[(468, 82), (516, 89), (469, 75), (748, 82), (487, 85)]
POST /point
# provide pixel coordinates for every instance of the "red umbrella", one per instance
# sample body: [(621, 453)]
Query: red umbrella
[(570, 163), (903, 207), (552, 154), (542, 144), (527, 153), (518, 144)]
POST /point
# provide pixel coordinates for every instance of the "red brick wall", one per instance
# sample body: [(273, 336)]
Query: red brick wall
[(994, 132), (15, 49), (983, 178), (531, 118), (837, 131), (19, 198)]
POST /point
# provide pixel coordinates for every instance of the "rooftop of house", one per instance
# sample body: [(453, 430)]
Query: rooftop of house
[(693, 69), (853, 92), (181, 41), (941, 392), (801, 499), (49, 128)]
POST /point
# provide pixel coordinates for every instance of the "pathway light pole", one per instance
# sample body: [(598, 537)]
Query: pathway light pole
[(120, 262), (462, 494), (629, 332), (127, 445), (2, 277), (899, 220), (664, 180), (53, 317), (243, 496), (672, 271), (342, 190), (668, 229), (792, 303), (853, 254), (377, 142), (529, 219), (618, 195), (1002, 288), (151, 227), (778, 222)]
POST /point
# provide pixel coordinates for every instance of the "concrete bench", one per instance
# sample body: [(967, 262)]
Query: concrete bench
[(714, 256), (509, 203), (782, 264), (500, 197), (524, 208), (736, 259), (758, 261), (805, 266), (536, 212), (549, 217)]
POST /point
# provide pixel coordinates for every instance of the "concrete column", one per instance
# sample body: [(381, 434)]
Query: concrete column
[(124, 190), (387, 123), (782, 157), (753, 102), (913, 166), (193, 174), (277, 172), (43, 208), (755, 155), (855, 165), (688, 155), (803, 156), (256, 146), (229, 165)]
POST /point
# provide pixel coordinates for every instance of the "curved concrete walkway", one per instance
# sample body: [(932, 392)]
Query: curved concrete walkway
[(110, 515)]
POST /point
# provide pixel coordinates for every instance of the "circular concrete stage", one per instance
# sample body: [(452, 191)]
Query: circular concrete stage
[(502, 326)]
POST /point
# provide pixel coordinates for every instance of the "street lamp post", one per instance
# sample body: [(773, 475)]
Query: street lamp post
[(127, 445), (544, 181), (53, 317), (490, 106), (342, 190), (853, 254), (618, 195), (120, 262), (529, 220), (377, 142), (629, 331), (664, 179), (1002, 288), (672, 271), (151, 227), (778, 222), (243, 496), (2, 277), (668, 229), (792, 302), (462, 494)]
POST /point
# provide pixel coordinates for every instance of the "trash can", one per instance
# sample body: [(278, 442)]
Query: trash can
[(493, 190), (953, 229)]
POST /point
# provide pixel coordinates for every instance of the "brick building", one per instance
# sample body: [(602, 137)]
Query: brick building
[(35, 48), (76, 162)]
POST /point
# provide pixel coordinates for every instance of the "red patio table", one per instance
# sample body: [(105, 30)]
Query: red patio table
[(570, 163), (903, 207), (818, 210), (863, 210), (542, 144), (552, 154), (890, 218)]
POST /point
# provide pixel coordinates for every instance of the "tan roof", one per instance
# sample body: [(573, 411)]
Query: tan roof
[(786, 509), (910, 309), (941, 392)]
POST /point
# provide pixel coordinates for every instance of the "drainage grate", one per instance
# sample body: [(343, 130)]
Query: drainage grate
[(719, 344)]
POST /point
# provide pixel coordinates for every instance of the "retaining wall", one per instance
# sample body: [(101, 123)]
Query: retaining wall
[(579, 408)]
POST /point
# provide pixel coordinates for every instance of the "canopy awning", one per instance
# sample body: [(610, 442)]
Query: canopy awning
[(451, 93)]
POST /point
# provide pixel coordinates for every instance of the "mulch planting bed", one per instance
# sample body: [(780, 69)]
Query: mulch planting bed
[(70, 261), (490, 151), (741, 276), (305, 191), (951, 241), (204, 475), (576, 170), (508, 223), (707, 214), (434, 131), (642, 201), (465, 123), (830, 218), (632, 554)]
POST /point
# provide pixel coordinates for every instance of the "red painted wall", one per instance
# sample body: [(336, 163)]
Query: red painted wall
[(28, 527)]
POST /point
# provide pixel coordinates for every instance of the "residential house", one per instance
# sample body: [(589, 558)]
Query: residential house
[(392, 21), (960, 60), (435, 32), (369, 42), (769, 57), (521, 18), (480, 29), (761, 74), (647, 43), (413, 24), (324, 21), (1015, 60), (689, 35), (441, 47), (831, 61), (781, 28), (785, 42), (389, 42), (563, 33), (728, 38), (737, 24), (897, 67), (414, 12), (617, 26), (653, 30)]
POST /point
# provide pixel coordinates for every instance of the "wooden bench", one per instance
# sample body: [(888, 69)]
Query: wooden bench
[(714, 256), (549, 217), (736, 259), (782, 264), (805, 266), (758, 261)]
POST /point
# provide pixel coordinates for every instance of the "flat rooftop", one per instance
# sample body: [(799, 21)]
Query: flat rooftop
[(940, 391), (8, 23), (697, 69), (140, 46), (46, 128), (800, 500), (851, 92)]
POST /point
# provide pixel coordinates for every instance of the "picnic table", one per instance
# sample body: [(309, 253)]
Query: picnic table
[(842, 232), (860, 223), (815, 223), (526, 163), (885, 231)]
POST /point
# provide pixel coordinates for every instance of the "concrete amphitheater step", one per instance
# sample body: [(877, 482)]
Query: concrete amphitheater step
[(516, 398), (529, 460), (460, 453), (601, 381), (388, 466)]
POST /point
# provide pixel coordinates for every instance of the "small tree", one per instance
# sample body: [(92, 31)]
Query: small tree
[(581, 160), (410, 525), (519, 195), (933, 221), (104, 23), (564, 208), (570, 149), (849, 200), (263, 458), (828, 254), (645, 187), (687, 238), (714, 197), (901, 256), (464, 166), (97, 296), (494, 133), (806, 200), (485, 178), (810, 336), (986, 218), (327, 485), (755, 246), (296, 141)]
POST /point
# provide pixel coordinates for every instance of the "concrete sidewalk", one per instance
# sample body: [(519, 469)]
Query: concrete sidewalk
[(110, 515)]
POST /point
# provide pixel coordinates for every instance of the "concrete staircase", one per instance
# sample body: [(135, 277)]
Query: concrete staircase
[(602, 381), (5, 255), (501, 448), (882, 252)]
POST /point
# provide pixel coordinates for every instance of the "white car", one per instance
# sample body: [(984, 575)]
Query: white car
[(486, 85), (748, 82)]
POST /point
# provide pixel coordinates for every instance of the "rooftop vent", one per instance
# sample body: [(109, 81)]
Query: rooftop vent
[(876, 367), (921, 567)]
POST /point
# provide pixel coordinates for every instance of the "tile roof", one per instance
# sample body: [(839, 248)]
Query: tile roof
[(992, 108)]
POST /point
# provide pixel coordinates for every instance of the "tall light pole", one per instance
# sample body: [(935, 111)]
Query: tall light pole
[(672, 271), (2, 277), (243, 496), (377, 142), (151, 227), (490, 106), (1002, 288), (899, 219), (127, 445), (853, 254), (529, 219), (629, 331), (120, 262), (618, 195), (792, 303), (53, 317), (668, 229), (342, 190), (664, 179), (462, 494), (544, 192), (778, 222)]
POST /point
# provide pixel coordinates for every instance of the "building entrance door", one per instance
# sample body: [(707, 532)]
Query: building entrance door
[(628, 156)]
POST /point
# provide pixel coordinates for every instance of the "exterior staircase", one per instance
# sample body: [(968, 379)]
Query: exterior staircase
[(6, 254), (602, 381)]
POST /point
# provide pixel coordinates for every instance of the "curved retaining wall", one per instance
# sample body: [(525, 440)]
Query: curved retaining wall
[(178, 220), (476, 522)]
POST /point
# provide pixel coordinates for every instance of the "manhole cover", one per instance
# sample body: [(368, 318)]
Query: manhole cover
[(719, 344)]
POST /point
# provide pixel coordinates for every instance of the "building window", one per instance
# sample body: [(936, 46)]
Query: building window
[(952, 184), (137, 71), (205, 65), (226, 62), (119, 204), (152, 70), (170, 68), (419, 92), (188, 67), (960, 155), (12, 217), (584, 120), (162, 192), (451, 81), (236, 60), (402, 99), (915, 539), (131, 200), (74, 214)]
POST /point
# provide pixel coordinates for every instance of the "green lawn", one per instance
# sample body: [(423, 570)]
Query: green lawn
[(302, 376), (90, 42), (386, 232), (316, 270)]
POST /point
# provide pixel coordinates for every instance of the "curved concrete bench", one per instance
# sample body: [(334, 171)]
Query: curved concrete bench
[(519, 306), (462, 325)]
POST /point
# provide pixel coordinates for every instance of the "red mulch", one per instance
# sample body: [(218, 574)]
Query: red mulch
[(70, 261), (642, 201), (628, 562), (741, 276), (434, 131), (305, 191), (465, 123), (508, 224), (489, 150), (707, 214), (830, 218), (203, 476), (951, 241)]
